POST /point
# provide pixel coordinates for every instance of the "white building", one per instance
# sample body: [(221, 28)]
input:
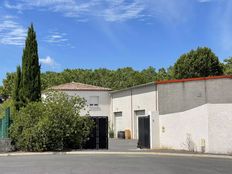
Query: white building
[(129, 104), (190, 114), (98, 98)]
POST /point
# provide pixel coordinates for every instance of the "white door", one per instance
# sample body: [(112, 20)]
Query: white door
[(118, 123)]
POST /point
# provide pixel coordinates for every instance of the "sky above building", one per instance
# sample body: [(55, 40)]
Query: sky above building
[(113, 33)]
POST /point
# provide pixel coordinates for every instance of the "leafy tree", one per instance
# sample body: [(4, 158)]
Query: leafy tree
[(114, 79), (54, 124), (31, 85), (201, 62), (162, 74), (149, 74), (8, 85), (228, 66), (1, 91), (17, 89), (7, 104)]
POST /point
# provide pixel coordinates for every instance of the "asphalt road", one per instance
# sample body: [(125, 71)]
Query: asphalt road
[(112, 164)]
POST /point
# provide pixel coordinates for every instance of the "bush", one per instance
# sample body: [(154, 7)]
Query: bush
[(54, 124), (6, 104)]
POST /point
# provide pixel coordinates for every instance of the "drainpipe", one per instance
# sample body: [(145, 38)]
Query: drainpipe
[(112, 112), (132, 123), (156, 103)]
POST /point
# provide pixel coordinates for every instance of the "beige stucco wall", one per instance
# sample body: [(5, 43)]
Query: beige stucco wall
[(131, 100), (121, 102), (104, 102)]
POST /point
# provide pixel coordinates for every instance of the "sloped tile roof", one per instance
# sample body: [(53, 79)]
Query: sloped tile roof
[(74, 86)]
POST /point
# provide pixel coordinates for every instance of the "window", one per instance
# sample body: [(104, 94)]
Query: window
[(94, 101), (140, 112)]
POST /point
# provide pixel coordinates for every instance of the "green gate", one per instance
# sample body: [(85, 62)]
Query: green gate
[(5, 124)]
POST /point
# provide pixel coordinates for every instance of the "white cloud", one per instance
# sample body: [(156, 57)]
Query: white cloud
[(109, 10), (48, 61), (56, 37), (121, 11), (11, 32), (203, 1)]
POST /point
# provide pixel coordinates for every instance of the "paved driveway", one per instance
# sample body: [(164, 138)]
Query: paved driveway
[(122, 145), (112, 164)]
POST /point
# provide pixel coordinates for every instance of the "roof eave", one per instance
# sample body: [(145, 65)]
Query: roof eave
[(193, 79), (133, 87)]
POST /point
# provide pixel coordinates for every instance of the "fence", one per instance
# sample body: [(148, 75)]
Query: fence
[(5, 124)]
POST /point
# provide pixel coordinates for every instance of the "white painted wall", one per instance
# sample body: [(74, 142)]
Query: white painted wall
[(104, 102), (131, 100), (154, 130), (220, 128), (179, 130), (121, 102), (199, 109)]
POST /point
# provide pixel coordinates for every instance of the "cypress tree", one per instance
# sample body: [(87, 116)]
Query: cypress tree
[(17, 88), (31, 85)]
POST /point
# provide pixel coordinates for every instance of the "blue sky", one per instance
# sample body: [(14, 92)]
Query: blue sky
[(113, 33)]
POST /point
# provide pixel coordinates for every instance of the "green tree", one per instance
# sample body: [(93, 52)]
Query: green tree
[(201, 62), (1, 91), (17, 89), (228, 66), (162, 74), (31, 85), (149, 74), (8, 85), (54, 124)]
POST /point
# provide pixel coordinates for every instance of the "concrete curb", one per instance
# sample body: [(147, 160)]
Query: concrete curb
[(115, 153)]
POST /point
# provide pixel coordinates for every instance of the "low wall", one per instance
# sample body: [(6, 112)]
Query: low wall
[(220, 128), (5, 145)]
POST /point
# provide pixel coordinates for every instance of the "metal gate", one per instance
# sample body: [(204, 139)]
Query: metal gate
[(5, 124), (144, 132), (98, 138)]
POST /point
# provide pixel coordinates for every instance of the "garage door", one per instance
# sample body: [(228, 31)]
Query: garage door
[(118, 122)]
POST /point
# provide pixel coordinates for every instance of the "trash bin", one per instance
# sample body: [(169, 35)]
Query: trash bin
[(127, 134), (121, 134)]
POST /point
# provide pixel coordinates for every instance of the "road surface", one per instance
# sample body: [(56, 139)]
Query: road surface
[(112, 164)]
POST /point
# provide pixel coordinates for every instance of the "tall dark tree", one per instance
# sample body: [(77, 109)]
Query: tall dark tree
[(201, 62), (17, 89), (31, 86)]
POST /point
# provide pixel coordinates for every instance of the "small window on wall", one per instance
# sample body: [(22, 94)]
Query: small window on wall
[(118, 114), (140, 112), (94, 101)]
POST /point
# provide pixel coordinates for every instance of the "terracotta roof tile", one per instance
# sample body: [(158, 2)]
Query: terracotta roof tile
[(73, 86)]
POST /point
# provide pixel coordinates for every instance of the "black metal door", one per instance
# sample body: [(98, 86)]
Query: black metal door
[(144, 132), (103, 132), (98, 138)]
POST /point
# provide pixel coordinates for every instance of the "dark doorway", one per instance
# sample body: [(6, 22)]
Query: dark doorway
[(144, 132), (98, 139)]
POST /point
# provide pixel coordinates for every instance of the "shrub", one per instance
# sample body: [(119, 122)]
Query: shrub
[(54, 124), (6, 104)]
